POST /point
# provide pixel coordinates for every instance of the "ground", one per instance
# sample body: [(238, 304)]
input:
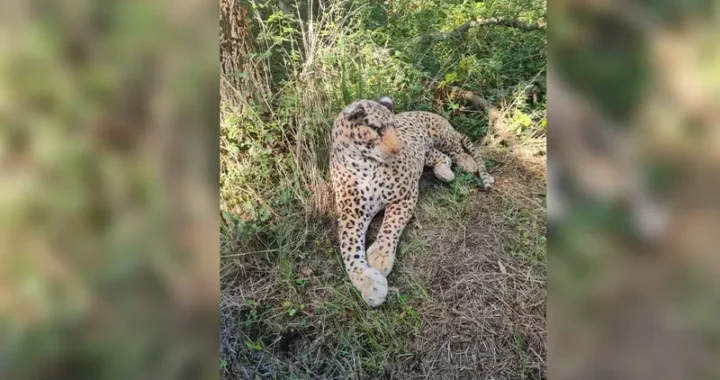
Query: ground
[(467, 295)]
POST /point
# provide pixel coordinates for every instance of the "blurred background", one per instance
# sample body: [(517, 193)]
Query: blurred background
[(633, 181), (108, 189)]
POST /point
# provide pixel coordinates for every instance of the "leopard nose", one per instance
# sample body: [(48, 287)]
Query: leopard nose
[(395, 149)]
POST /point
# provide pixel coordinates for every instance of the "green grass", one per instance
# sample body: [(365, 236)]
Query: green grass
[(413, 244), (528, 240), (309, 295), (519, 348)]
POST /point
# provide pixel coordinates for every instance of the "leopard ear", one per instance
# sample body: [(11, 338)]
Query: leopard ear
[(387, 102), (354, 111)]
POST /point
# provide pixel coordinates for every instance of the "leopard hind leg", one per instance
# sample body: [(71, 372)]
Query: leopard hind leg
[(468, 158), (440, 164)]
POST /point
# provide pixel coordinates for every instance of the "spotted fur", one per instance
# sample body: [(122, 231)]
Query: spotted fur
[(376, 162)]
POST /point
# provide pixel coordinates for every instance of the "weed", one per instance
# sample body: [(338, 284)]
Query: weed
[(519, 348), (528, 240), (415, 244)]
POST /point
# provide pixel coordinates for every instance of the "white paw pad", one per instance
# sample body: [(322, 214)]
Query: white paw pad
[(374, 287)]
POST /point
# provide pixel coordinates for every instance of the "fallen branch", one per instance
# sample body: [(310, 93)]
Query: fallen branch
[(476, 100), (495, 120), (496, 125), (511, 23)]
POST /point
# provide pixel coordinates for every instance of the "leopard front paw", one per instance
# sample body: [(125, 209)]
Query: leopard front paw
[(373, 286), (379, 260)]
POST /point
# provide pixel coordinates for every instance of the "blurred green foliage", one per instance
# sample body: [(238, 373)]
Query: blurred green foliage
[(102, 273), (628, 260)]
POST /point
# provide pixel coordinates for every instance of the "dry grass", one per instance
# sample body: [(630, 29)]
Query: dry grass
[(486, 317)]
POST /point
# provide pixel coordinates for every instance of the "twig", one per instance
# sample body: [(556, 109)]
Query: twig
[(511, 23), (249, 253), (476, 100)]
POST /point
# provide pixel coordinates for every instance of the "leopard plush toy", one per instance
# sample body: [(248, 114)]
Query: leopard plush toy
[(376, 161)]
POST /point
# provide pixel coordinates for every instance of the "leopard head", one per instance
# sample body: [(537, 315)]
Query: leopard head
[(368, 126)]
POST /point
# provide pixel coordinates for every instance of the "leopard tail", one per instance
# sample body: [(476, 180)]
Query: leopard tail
[(471, 149)]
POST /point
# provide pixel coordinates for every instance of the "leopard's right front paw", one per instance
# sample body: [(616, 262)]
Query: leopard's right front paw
[(373, 286), (379, 260)]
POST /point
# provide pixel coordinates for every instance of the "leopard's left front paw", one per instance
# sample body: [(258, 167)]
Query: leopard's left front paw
[(379, 260)]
